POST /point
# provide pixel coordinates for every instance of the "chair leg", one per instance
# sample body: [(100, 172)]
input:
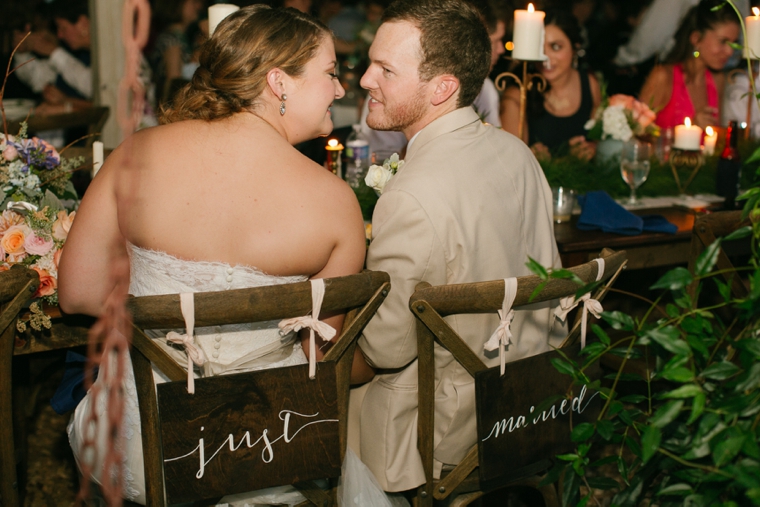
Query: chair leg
[(8, 479)]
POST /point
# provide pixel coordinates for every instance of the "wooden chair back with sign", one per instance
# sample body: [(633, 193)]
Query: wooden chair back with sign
[(504, 403), (94, 118), (707, 229), (293, 427), (17, 285)]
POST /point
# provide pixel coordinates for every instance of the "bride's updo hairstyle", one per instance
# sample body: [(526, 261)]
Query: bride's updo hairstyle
[(235, 61)]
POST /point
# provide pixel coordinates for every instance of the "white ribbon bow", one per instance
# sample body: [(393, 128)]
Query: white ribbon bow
[(589, 305), (502, 337), (326, 331), (194, 354)]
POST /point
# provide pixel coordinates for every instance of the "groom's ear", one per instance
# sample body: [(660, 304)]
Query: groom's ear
[(275, 80), (446, 86)]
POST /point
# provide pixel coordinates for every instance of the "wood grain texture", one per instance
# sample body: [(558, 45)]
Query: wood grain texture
[(94, 118), (426, 408), (280, 449)]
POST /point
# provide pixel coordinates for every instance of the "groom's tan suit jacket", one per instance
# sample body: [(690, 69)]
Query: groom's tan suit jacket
[(470, 204)]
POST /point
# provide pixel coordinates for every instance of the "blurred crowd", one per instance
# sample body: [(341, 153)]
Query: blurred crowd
[(674, 55)]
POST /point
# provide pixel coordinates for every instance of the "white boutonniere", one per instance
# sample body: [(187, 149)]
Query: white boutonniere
[(379, 175)]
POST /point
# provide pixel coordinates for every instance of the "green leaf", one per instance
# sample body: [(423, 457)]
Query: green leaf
[(674, 279), (672, 310), (537, 268), (603, 483), (727, 449), (707, 259), (50, 200), (666, 414), (697, 407), (679, 489), (723, 289), (669, 337), (685, 391), (754, 157), (594, 349), (619, 320), (537, 290), (605, 429), (720, 371), (633, 398), (739, 233), (562, 366), (582, 432), (601, 334), (678, 374), (567, 457), (650, 442), (750, 380)]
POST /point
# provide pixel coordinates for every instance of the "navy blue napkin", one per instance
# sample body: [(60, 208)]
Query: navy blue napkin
[(599, 211), (71, 389)]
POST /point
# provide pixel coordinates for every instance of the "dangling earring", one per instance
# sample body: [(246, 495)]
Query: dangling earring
[(282, 104), (696, 52)]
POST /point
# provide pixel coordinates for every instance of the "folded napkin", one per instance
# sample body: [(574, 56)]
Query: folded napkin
[(600, 211)]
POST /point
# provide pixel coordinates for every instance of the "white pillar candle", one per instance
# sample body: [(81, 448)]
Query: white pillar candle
[(528, 35), (216, 13), (688, 136), (752, 44), (711, 137), (97, 157)]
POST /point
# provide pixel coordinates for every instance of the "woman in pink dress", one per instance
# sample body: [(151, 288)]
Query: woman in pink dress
[(691, 81)]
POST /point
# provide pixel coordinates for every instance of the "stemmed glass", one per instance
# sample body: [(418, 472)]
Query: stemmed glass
[(634, 165)]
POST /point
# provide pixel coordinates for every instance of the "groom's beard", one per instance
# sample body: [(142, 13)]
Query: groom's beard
[(397, 117)]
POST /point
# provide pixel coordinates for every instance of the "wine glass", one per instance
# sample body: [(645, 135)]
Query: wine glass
[(634, 165)]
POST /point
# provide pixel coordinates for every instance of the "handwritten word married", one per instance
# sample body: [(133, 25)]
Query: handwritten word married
[(267, 453), (577, 405)]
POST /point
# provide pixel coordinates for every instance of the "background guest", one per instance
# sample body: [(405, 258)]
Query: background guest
[(557, 117), (691, 83)]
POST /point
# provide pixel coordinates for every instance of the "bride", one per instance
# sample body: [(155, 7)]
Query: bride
[(217, 198)]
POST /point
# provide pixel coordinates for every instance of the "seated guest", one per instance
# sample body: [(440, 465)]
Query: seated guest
[(691, 81), (558, 116), (735, 104), (266, 82), (470, 204)]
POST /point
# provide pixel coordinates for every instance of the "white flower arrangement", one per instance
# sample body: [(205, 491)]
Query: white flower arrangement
[(621, 117), (379, 176)]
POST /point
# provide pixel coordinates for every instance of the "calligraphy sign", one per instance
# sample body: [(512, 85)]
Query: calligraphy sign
[(514, 439), (248, 431)]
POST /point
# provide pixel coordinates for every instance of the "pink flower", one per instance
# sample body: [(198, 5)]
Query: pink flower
[(10, 153), (62, 225), (35, 245), (622, 100), (48, 283), (8, 219)]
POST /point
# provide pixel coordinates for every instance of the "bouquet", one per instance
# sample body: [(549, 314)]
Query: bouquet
[(379, 176), (34, 220), (621, 117)]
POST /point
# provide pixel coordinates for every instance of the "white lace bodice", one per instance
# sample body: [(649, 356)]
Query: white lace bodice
[(228, 348)]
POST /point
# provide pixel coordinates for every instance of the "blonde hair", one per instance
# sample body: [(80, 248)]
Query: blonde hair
[(235, 61)]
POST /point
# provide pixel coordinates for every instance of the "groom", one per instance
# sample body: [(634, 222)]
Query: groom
[(470, 204)]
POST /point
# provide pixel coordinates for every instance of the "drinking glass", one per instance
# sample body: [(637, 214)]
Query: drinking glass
[(563, 200), (634, 165)]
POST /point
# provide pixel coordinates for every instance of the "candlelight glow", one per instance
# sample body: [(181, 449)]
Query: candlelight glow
[(531, 8), (687, 121), (332, 143), (756, 11), (709, 130), (509, 46)]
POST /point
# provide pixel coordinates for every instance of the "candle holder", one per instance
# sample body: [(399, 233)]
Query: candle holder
[(691, 159), (525, 84), (334, 159)]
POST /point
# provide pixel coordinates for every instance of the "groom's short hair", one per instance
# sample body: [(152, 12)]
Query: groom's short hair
[(454, 41)]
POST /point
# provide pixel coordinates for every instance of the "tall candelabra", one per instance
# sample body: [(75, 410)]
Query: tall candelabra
[(525, 84)]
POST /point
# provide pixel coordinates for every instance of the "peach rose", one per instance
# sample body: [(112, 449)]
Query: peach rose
[(14, 238), (35, 245), (62, 225), (2, 254), (57, 257), (8, 219), (622, 100), (48, 283)]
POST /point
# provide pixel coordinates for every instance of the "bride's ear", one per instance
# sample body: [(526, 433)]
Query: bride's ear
[(275, 78)]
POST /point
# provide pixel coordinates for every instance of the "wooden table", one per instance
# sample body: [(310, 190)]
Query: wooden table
[(646, 250)]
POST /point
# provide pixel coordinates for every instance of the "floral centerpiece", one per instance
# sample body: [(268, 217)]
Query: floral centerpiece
[(379, 176), (37, 200), (621, 117)]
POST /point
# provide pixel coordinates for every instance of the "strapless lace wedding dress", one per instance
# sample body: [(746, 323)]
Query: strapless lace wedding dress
[(229, 349)]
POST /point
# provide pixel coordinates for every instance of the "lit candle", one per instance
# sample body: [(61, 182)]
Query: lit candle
[(752, 45), (334, 164), (528, 38), (216, 13), (688, 136), (711, 137), (97, 157)]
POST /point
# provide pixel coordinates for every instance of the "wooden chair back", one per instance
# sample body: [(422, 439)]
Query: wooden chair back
[(94, 118), (17, 285), (709, 228), (250, 397), (430, 305)]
